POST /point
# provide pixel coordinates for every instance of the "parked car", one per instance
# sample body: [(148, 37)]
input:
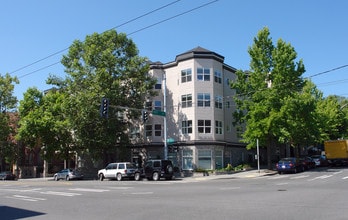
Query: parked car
[(119, 171), (156, 169), (68, 174), (319, 160), (7, 175), (290, 164), (308, 163)]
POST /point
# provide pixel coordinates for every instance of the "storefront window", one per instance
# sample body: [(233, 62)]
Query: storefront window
[(204, 159), (187, 159), (218, 159)]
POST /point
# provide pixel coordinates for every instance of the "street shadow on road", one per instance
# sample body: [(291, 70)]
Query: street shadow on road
[(10, 213)]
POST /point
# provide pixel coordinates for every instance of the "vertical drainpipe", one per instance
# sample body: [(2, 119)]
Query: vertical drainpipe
[(165, 116)]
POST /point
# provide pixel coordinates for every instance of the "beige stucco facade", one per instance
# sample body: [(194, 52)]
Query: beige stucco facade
[(194, 91)]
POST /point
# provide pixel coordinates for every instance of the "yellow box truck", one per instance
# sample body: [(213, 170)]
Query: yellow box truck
[(336, 152)]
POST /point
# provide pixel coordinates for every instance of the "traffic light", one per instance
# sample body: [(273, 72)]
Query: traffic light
[(104, 108), (145, 116)]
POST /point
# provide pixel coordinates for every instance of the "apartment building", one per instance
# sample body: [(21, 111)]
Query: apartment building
[(194, 91)]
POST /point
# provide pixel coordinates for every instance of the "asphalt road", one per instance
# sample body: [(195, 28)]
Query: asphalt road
[(316, 194)]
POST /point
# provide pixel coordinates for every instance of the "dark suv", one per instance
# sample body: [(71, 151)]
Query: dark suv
[(156, 169)]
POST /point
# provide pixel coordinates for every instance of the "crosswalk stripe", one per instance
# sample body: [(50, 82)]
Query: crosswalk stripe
[(320, 177), (60, 193), (299, 177), (26, 198), (89, 190)]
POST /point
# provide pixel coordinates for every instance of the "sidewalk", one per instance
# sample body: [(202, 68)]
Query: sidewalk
[(237, 175)]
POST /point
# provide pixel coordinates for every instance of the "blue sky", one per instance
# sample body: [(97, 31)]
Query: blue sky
[(31, 31)]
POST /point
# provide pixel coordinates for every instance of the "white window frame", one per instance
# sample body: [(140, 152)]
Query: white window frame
[(218, 127), (204, 126), (186, 127), (203, 99), (187, 159), (203, 74), (186, 101), (205, 159), (186, 75)]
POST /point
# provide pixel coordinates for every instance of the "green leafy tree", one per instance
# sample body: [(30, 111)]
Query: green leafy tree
[(103, 65), (29, 130), (330, 118), (43, 125), (274, 79), (8, 103), (299, 117)]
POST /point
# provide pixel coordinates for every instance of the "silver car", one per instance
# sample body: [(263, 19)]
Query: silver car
[(119, 171), (68, 174)]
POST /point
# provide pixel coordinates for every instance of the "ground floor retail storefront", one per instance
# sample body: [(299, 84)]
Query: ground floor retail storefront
[(197, 156)]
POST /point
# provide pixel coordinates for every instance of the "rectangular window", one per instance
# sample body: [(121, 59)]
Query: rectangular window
[(186, 75), (148, 105), (218, 127), (218, 102), (217, 77), (158, 85), (186, 101), (203, 100), (204, 159), (228, 104), (228, 128), (148, 130), (158, 105), (204, 126), (187, 159), (186, 127), (228, 82), (219, 159), (203, 74), (158, 129)]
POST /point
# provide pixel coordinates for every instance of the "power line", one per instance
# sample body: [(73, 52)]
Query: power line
[(328, 71), (175, 16), (60, 51), (154, 24)]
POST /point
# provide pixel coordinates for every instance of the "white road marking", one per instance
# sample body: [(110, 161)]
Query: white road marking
[(26, 198), (299, 177), (60, 193), (142, 193), (229, 188), (281, 184), (346, 177), (321, 177), (277, 177), (89, 190), (121, 187)]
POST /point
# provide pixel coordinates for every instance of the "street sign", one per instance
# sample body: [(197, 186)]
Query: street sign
[(158, 112), (170, 140)]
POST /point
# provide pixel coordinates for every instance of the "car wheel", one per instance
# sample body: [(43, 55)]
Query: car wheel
[(56, 178), (119, 177), (101, 177), (137, 176), (155, 176), (169, 169)]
